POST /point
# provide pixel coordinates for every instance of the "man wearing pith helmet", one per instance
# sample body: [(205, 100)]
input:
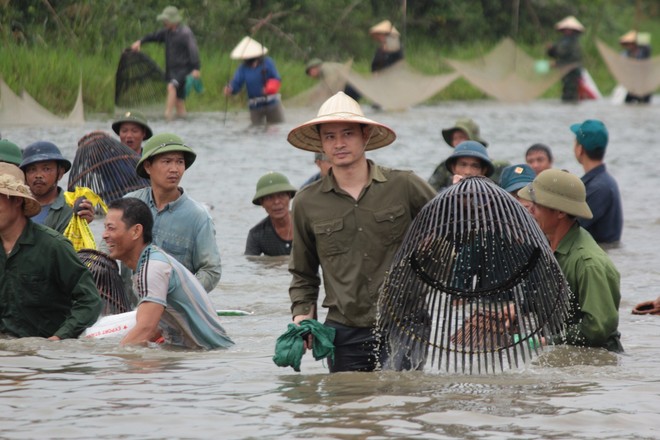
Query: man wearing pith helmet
[(558, 200), (132, 129), (349, 223), (182, 227), (273, 235)]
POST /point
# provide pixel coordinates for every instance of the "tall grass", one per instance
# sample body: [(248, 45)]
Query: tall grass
[(51, 74)]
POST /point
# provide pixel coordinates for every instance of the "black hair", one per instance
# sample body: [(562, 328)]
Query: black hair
[(596, 154), (542, 148), (135, 212)]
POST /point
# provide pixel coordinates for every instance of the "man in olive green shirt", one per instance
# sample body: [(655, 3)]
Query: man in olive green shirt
[(350, 223), (45, 290), (558, 199)]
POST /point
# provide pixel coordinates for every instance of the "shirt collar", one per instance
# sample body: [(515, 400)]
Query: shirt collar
[(375, 174), (600, 169), (566, 243), (170, 206)]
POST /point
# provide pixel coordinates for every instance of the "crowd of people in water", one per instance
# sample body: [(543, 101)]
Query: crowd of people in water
[(341, 229)]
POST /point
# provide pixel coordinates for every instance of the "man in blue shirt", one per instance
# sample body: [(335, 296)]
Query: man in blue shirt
[(603, 196), (259, 75), (182, 227)]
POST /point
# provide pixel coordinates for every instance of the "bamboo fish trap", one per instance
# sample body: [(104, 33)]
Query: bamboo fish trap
[(106, 166), (105, 272), (470, 257)]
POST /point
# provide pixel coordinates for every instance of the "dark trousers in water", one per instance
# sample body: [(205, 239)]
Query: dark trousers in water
[(355, 349), (570, 86)]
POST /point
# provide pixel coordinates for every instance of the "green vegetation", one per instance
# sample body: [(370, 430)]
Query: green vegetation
[(48, 44)]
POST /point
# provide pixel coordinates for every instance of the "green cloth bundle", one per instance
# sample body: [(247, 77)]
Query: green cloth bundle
[(289, 347), (193, 83)]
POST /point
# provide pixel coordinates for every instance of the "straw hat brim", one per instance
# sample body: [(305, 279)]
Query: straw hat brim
[(306, 136), (10, 187)]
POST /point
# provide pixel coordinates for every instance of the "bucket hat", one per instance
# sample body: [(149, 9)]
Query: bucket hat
[(248, 49), (136, 118), (272, 183), (41, 151), (591, 134), (569, 22), (384, 27), (170, 14), (10, 153), (515, 177), (467, 125), (12, 183), (470, 149), (560, 190), (161, 144), (339, 108)]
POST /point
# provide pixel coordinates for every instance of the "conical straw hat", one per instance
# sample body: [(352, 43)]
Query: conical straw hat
[(384, 27), (339, 108), (628, 37), (570, 22), (247, 49)]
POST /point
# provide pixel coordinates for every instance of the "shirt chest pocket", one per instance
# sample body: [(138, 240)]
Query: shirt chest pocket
[(330, 237), (391, 223)]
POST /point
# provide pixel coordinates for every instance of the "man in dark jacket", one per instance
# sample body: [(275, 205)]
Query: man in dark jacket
[(45, 290), (181, 58)]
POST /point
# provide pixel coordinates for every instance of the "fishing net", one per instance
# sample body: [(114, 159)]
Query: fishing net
[(332, 80), (105, 272), (398, 86), (639, 77), (471, 257), (106, 166), (139, 81), (26, 111), (508, 74)]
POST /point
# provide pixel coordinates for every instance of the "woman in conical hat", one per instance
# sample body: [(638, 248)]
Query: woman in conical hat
[(261, 79), (350, 223)]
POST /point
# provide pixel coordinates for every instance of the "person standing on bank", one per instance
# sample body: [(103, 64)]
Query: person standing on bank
[(181, 58), (567, 51), (262, 82), (45, 290), (182, 227), (350, 224), (603, 197), (558, 200), (44, 166), (173, 304), (273, 235)]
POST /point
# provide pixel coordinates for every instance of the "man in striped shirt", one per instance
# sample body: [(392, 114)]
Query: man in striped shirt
[(173, 305)]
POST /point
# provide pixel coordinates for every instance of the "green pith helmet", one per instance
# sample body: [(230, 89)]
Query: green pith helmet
[(313, 63), (466, 125), (560, 190), (272, 183), (136, 118), (10, 153), (161, 144)]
